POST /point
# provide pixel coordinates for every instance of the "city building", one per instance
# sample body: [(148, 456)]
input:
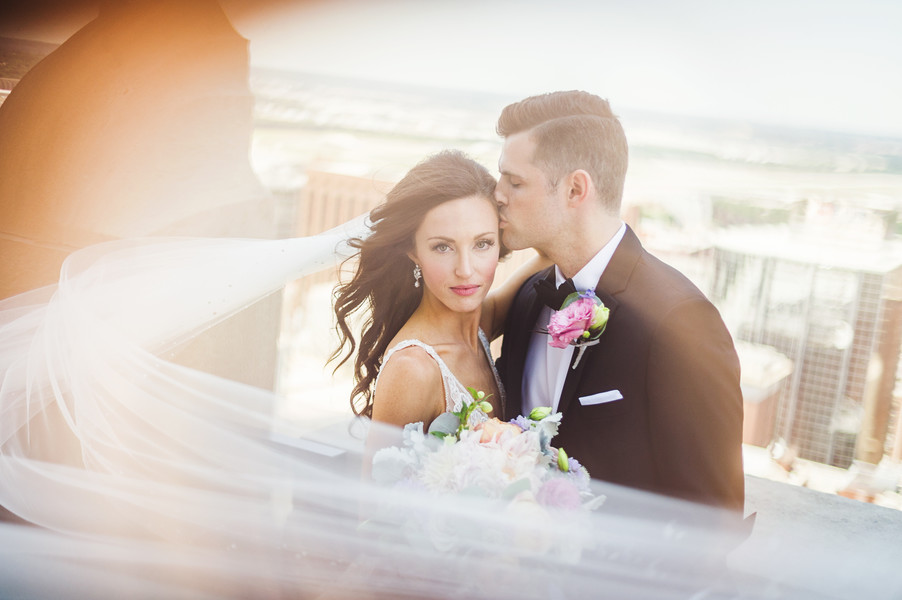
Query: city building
[(825, 294)]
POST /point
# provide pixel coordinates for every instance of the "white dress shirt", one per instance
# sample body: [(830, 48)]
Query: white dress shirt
[(546, 367)]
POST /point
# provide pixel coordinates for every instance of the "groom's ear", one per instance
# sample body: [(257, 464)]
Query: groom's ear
[(580, 187)]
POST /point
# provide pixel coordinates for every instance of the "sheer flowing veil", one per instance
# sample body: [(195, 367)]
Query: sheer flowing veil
[(125, 473)]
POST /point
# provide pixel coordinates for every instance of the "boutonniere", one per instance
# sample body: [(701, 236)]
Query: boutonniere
[(580, 321)]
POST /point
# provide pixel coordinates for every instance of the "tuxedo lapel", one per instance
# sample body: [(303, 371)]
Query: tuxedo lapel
[(613, 281), (617, 274)]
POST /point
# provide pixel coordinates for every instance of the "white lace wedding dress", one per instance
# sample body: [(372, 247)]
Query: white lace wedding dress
[(124, 474)]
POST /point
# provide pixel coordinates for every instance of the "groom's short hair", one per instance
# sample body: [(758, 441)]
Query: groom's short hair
[(573, 130)]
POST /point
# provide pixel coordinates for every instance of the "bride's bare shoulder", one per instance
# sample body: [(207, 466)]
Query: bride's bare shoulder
[(409, 389)]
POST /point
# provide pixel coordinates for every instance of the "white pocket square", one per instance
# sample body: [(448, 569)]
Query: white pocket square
[(601, 398)]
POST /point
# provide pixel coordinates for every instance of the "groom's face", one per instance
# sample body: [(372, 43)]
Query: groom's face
[(528, 203)]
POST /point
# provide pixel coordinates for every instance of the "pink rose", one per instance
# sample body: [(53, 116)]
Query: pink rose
[(569, 323)]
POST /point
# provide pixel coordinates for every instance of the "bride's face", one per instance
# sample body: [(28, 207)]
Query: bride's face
[(457, 248)]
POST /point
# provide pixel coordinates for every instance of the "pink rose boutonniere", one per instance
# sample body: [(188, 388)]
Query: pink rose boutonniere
[(580, 322)]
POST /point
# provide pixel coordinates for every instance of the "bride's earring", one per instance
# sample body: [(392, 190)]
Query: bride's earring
[(417, 275)]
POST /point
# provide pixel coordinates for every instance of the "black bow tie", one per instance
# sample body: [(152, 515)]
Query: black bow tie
[(551, 296)]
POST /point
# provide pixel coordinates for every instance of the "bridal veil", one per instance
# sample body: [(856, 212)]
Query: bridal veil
[(123, 472)]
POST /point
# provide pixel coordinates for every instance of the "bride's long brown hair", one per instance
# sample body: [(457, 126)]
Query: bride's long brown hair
[(383, 281)]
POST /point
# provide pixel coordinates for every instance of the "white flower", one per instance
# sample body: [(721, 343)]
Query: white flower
[(524, 458), (438, 470), (465, 465)]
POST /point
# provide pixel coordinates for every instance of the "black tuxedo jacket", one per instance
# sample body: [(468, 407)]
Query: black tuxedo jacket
[(678, 428)]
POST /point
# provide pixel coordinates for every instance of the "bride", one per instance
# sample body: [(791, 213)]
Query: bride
[(424, 275)]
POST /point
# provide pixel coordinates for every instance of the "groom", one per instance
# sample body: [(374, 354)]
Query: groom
[(656, 404)]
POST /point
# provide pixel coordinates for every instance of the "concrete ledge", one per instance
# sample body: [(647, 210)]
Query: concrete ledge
[(820, 545)]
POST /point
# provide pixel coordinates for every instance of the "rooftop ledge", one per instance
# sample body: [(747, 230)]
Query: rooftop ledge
[(817, 540)]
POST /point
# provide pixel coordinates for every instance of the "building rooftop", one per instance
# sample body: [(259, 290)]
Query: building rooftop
[(863, 249)]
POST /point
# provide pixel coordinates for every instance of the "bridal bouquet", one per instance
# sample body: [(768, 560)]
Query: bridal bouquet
[(513, 462)]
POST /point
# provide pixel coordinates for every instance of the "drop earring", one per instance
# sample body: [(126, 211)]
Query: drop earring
[(417, 275)]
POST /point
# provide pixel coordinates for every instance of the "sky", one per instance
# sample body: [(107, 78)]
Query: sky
[(824, 64)]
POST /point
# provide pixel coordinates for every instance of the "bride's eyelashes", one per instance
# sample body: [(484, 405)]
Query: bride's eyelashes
[(483, 244)]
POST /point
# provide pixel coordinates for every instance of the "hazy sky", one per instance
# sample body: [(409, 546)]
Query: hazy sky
[(827, 64)]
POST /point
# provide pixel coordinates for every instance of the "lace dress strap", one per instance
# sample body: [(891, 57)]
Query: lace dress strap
[(455, 392)]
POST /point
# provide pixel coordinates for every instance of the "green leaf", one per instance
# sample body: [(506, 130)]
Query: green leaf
[(446, 423)]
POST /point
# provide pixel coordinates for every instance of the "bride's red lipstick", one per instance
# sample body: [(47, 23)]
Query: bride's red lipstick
[(465, 290)]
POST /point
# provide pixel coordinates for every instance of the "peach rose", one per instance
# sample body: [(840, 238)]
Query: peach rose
[(493, 429)]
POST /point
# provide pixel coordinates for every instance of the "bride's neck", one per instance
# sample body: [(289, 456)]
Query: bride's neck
[(444, 326)]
